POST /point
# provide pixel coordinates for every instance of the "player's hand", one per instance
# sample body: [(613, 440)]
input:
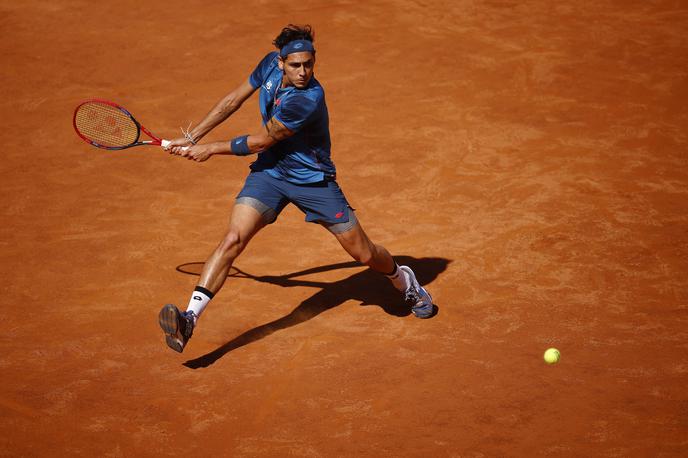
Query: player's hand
[(198, 153), (177, 144)]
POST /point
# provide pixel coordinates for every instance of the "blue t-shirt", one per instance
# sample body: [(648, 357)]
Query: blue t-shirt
[(305, 156)]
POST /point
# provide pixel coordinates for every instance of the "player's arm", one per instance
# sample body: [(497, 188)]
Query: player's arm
[(274, 132), (243, 145), (223, 110), (220, 112)]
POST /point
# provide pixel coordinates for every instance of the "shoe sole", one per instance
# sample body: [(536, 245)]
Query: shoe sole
[(169, 322)]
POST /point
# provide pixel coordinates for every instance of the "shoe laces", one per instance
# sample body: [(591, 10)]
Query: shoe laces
[(412, 295), (189, 319)]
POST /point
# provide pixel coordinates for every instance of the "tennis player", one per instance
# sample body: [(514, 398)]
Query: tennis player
[(293, 165)]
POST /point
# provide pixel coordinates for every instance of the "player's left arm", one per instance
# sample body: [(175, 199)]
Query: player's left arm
[(295, 113), (244, 145)]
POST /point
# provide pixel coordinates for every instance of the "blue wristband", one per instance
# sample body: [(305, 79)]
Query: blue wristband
[(240, 146)]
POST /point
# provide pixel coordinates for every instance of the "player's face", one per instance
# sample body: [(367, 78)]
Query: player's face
[(298, 69)]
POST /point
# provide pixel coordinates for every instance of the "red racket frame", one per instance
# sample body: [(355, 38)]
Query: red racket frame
[(156, 141)]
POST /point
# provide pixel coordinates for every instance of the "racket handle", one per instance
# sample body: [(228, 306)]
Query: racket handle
[(166, 143)]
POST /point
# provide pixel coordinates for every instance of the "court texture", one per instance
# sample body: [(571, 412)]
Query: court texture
[(527, 158)]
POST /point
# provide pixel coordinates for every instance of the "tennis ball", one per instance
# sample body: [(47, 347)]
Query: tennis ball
[(552, 356)]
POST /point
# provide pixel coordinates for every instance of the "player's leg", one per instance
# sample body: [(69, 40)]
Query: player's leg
[(355, 241), (258, 204), (326, 204), (178, 326), (244, 223)]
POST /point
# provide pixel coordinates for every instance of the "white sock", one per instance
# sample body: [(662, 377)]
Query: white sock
[(200, 298), (399, 278)]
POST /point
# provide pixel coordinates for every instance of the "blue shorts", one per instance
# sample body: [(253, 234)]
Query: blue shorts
[(322, 202)]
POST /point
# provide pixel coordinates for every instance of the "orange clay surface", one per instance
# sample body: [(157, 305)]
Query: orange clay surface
[(528, 159)]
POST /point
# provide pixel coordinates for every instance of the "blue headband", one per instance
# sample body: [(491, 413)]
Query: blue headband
[(297, 46)]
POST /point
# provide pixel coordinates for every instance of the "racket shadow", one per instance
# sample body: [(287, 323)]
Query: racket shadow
[(368, 287)]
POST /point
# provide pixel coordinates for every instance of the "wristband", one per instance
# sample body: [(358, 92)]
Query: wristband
[(240, 146)]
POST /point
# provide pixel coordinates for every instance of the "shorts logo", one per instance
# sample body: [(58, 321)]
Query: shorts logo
[(339, 215)]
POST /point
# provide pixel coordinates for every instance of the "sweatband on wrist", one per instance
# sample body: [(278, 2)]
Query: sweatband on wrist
[(240, 146)]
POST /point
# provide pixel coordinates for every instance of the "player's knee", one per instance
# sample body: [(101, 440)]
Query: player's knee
[(231, 244), (364, 255)]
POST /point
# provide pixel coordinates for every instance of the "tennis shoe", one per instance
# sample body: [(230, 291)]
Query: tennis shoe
[(416, 296), (177, 326)]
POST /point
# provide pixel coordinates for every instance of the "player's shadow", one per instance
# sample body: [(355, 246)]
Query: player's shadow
[(368, 287)]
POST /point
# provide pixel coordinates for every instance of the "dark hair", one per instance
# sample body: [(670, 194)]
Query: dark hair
[(294, 32)]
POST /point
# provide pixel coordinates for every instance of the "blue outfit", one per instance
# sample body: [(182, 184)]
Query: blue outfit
[(297, 169), (305, 156)]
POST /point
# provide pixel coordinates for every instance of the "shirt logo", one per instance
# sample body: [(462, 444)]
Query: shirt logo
[(268, 85)]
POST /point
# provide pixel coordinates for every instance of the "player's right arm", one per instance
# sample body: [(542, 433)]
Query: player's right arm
[(229, 104), (220, 112)]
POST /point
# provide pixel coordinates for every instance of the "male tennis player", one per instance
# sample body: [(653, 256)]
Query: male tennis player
[(293, 166)]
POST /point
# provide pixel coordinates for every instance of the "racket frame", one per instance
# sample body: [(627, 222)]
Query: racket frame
[(156, 141)]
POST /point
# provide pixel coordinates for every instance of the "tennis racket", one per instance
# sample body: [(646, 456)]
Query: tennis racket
[(110, 126)]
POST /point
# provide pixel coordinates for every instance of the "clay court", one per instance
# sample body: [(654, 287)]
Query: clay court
[(527, 159)]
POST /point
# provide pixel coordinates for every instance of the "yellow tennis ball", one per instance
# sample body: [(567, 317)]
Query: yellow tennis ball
[(552, 356)]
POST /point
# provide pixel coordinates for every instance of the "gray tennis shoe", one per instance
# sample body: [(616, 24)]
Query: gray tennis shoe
[(177, 326), (417, 297)]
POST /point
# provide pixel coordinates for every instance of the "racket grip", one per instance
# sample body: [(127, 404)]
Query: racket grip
[(166, 143)]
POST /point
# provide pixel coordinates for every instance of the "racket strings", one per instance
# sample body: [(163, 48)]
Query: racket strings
[(187, 134), (106, 125)]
